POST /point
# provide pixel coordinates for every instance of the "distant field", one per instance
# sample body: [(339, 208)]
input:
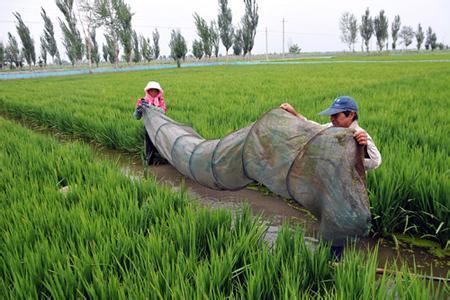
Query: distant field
[(371, 56), (403, 106)]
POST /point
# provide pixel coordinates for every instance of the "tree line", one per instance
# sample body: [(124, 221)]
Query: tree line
[(122, 42), (114, 17), (242, 37), (378, 27)]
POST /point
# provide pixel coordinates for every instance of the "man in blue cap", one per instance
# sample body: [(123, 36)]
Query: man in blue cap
[(343, 112)]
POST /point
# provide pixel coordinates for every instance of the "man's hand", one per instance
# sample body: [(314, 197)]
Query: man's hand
[(287, 107), (361, 137)]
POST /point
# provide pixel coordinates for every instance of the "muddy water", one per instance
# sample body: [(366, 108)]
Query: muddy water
[(276, 211)]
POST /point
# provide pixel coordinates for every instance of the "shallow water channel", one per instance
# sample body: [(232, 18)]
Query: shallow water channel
[(276, 211)]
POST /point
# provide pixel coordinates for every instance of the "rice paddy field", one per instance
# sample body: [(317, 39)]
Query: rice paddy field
[(110, 236), (373, 57)]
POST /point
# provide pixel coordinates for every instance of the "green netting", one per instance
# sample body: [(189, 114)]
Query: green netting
[(321, 168), (201, 160), (182, 151), (227, 161)]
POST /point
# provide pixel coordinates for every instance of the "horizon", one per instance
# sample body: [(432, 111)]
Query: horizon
[(304, 24)]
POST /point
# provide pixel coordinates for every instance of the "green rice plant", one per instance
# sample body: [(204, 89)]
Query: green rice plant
[(73, 226), (371, 56), (400, 106), (301, 268), (355, 278), (407, 285)]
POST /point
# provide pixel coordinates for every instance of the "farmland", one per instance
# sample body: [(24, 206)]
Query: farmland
[(373, 57), (108, 236), (402, 106)]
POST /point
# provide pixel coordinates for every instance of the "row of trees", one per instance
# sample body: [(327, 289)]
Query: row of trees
[(241, 37), (114, 17), (379, 26)]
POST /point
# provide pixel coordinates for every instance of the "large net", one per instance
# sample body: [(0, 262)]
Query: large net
[(320, 168)]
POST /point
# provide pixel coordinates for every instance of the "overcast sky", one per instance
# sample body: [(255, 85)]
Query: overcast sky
[(313, 25)]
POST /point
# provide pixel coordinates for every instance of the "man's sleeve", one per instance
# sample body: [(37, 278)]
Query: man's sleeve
[(374, 159)]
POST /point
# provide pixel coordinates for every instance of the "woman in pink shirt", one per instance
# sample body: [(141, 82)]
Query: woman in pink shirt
[(153, 97)]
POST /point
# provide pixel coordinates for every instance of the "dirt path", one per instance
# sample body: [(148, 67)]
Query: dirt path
[(277, 211)]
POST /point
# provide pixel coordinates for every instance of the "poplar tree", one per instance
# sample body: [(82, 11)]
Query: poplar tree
[(27, 41), (349, 30), (249, 23), (407, 35), (294, 49), (224, 20), (366, 28), (95, 55), (111, 49), (105, 17), (197, 49), (215, 37), (420, 36), (2, 55), (178, 48), (237, 42), (105, 52), (12, 52), (136, 52), (433, 43), (146, 48), (380, 25), (204, 33), (72, 38), (430, 42), (49, 36), (115, 16), (43, 50), (124, 16), (89, 23), (395, 28), (156, 49)]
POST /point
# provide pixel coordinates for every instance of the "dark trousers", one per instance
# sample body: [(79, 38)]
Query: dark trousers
[(152, 156), (336, 253)]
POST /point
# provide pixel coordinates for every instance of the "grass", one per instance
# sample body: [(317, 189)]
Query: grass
[(109, 236), (410, 55), (402, 107)]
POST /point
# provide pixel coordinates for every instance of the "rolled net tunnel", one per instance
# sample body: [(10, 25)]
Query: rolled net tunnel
[(320, 168)]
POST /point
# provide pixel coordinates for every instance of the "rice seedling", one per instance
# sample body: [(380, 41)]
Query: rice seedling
[(73, 226), (401, 107)]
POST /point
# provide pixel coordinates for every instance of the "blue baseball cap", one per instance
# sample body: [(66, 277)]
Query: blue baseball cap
[(340, 104)]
